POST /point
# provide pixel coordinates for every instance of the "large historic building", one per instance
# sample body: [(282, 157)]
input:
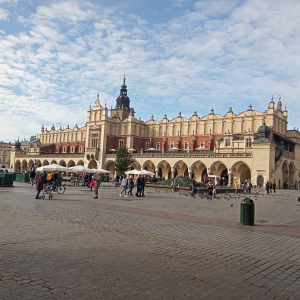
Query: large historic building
[(5, 155), (249, 145)]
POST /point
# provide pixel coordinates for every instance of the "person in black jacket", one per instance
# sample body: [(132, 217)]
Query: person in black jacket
[(32, 176), (143, 186), (131, 186), (139, 184), (268, 187)]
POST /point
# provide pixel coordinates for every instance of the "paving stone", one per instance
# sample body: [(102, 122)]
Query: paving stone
[(160, 247)]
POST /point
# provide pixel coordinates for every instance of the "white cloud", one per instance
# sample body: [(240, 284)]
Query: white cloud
[(3, 14), (229, 53), (179, 3)]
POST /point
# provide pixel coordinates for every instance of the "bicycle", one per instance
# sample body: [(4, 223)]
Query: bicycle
[(58, 188)]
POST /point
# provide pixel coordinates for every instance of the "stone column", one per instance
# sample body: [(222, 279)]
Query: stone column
[(172, 172), (156, 171), (190, 173), (229, 177)]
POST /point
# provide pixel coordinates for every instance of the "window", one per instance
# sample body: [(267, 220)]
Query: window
[(57, 149), (72, 149), (147, 145), (248, 143), (121, 143), (64, 149), (4, 158), (81, 149), (186, 145), (227, 143), (4, 151), (94, 143), (157, 146), (172, 145), (202, 144)]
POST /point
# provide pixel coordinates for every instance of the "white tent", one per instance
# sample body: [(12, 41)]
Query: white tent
[(132, 172), (80, 169), (101, 171), (53, 168), (145, 172)]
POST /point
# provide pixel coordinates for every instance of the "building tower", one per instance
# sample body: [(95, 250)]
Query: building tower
[(122, 108)]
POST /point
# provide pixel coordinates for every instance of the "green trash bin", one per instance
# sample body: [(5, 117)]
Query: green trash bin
[(7, 178), (1, 181), (247, 212)]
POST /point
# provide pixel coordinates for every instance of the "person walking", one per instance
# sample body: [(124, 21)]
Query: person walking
[(97, 179), (131, 186), (139, 186), (39, 185), (193, 186), (249, 186), (32, 177), (274, 187), (124, 185), (268, 187), (143, 186)]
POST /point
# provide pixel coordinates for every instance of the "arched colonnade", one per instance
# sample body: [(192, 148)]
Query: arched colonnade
[(238, 171)]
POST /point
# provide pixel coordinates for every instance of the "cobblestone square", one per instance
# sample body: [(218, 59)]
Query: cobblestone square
[(163, 246)]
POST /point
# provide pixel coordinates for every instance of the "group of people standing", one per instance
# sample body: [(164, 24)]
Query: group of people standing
[(270, 186), (128, 184)]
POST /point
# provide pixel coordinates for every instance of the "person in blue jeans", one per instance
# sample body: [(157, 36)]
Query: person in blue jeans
[(39, 185), (193, 186), (143, 183)]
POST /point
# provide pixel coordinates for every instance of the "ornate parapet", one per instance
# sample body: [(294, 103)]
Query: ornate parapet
[(288, 154), (191, 154), (51, 155)]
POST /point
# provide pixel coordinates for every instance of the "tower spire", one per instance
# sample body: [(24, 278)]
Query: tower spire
[(124, 78)]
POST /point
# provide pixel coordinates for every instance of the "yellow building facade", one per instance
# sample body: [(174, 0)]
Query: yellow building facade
[(249, 145)]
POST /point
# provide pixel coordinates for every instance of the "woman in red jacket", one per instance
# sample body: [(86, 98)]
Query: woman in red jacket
[(39, 185)]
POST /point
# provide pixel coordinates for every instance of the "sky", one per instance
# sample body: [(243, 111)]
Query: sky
[(178, 55)]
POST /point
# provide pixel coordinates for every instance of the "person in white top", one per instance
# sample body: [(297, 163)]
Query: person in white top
[(124, 185)]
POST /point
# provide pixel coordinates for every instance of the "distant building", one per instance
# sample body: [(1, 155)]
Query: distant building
[(5, 155), (249, 145)]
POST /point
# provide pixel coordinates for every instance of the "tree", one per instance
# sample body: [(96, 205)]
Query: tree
[(123, 160)]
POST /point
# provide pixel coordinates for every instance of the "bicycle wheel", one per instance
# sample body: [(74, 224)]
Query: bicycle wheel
[(60, 189)]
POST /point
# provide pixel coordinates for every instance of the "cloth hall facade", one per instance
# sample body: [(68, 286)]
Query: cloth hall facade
[(249, 145)]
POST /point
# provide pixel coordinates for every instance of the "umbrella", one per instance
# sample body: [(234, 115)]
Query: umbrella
[(53, 168), (145, 172), (151, 149), (174, 148), (131, 150), (199, 148), (114, 150), (80, 169), (132, 172), (100, 171)]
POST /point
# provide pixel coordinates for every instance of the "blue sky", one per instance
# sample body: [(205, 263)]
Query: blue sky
[(179, 55)]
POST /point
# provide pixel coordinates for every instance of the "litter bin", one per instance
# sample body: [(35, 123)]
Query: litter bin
[(1, 181), (247, 212), (7, 179)]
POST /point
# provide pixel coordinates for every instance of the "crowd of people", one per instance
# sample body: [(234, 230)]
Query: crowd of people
[(128, 184)]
